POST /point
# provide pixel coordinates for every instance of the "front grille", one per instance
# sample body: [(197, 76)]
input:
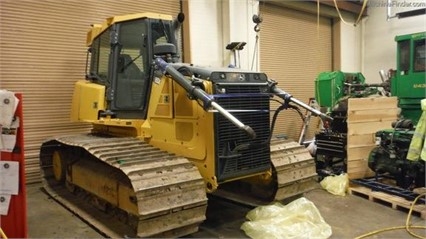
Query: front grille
[(234, 158)]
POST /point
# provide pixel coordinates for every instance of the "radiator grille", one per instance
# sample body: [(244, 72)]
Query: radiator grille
[(252, 110)]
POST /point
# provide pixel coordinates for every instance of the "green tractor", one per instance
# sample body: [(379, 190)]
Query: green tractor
[(408, 84)]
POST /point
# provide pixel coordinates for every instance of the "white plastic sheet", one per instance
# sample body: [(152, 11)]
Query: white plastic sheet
[(298, 219), (337, 185)]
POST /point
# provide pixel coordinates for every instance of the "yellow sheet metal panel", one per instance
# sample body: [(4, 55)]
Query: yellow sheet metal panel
[(87, 101), (161, 98), (184, 131), (294, 49), (183, 107), (92, 33), (43, 53)]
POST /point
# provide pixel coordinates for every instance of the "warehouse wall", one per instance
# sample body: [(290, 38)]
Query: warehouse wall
[(214, 24), (379, 47), (240, 28), (294, 58), (205, 26), (43, 52), (350, 46)]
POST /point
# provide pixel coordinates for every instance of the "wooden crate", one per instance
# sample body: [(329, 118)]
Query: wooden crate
[(366, 116)]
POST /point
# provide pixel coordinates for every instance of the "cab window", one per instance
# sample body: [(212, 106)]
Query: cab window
[(419, 56)]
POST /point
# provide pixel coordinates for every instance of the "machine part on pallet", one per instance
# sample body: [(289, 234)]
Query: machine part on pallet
[(389, 158), (375, 185)]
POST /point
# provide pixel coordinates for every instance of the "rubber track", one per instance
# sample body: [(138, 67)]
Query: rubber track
[(170, 192)]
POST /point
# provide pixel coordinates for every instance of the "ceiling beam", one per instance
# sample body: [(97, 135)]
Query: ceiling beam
[(327, 6), (354, 7)]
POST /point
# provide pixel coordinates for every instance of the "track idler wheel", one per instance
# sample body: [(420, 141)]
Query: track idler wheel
[(59, 166)]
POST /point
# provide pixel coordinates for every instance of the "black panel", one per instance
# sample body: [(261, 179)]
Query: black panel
[(251, 107), (331, 144)]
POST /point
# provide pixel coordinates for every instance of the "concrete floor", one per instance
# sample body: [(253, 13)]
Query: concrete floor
[(349, 216)]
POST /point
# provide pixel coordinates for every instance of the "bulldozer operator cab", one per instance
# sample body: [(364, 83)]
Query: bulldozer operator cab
[(120, 59)]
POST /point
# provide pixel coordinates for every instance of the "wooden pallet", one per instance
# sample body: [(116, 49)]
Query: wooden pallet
[(386, 199)]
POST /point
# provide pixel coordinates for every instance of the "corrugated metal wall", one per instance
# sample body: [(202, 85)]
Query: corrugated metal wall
[(294, 49), (43, 52)]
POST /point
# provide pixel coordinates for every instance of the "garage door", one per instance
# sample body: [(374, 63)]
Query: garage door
[(294, 49), (43, 53)]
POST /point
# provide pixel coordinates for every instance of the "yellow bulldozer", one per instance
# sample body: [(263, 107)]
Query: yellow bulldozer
[(167, 133)]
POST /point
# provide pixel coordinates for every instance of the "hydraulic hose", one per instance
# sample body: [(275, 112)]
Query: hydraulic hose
[(287, 97)]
